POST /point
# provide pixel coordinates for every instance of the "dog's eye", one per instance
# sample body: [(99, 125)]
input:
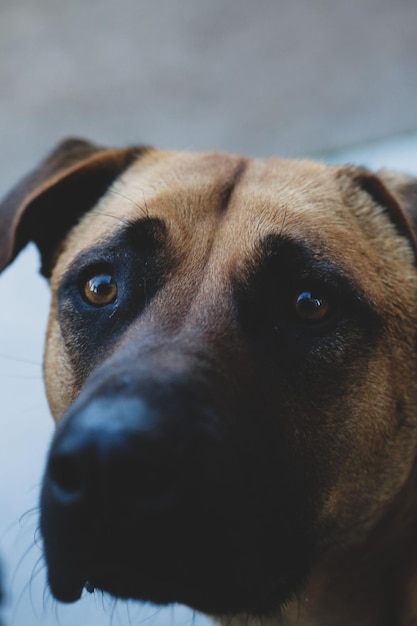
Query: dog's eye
[(311, 307), (100, 290)]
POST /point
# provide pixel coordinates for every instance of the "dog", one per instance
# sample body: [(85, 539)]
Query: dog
[(231, 362)]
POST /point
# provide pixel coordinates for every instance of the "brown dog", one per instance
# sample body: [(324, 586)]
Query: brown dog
[(231, 359)]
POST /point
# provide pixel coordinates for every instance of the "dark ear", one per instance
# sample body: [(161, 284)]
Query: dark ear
[(396, 194), (53, 197), (404, 188)]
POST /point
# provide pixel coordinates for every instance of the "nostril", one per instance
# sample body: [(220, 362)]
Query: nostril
[(117, 451), (65, 474)]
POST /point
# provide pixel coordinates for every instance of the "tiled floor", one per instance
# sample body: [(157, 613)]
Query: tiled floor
[(24, 442)]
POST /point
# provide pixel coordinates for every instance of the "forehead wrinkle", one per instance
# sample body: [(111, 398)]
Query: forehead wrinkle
[(301, 208), (186, 179)]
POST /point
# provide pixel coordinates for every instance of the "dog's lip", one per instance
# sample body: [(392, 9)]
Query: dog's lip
[(66, 586), (66, 592)]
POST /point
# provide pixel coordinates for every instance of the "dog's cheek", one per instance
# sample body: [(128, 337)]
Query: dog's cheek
[(379, 438), (59, 376)]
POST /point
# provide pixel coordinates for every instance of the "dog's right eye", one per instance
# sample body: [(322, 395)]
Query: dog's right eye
[(100, 290), (310, 307)]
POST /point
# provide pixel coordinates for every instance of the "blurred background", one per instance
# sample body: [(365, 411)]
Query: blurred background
[(314, 78)]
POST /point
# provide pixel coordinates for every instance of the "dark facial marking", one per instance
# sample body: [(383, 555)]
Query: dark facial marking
[(135, 260), (273, 281)]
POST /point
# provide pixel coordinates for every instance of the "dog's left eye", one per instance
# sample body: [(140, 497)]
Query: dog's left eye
[(311, 307), (100, 290)]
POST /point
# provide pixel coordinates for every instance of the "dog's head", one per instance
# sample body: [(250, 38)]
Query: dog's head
[(231, 361)]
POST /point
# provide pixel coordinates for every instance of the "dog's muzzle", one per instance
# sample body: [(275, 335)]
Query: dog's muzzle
[(153, 480), (123, 488)]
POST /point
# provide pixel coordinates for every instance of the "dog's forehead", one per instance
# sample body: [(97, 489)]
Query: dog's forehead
[(248, 195), (194, 186), (228, 203)]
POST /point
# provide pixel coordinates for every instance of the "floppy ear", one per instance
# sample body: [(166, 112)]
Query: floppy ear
[(396, 194), (404, 188), (53, 197)]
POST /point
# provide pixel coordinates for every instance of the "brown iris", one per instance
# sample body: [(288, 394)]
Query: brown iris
[(310, 307), (100, 290)]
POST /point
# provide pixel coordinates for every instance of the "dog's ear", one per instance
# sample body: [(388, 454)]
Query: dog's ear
[(52, 198), (404, 188), (396, 194)]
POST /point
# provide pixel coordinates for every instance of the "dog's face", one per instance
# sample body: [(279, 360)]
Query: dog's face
[(231, 361)]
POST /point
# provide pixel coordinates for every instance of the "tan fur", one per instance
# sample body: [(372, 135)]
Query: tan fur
[(319, 205)]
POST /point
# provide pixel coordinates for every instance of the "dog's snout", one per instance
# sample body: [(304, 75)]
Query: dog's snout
[(65, 474), (111, 448), (114, 461)]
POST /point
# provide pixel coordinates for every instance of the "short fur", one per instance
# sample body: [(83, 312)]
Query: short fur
[(215, 445)]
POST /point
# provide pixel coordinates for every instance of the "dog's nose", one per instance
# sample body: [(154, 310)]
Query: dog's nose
[(113, 474), (114, 448)]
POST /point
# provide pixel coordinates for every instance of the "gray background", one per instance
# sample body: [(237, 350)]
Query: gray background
[(293, 77), (336, 80)]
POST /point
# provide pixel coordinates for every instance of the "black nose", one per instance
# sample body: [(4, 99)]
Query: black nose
[(114, 479), (113, 449)]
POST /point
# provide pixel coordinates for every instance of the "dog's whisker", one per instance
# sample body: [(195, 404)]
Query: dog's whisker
[(56, 608), (36, 571), (23, 360), (20, 562), (129, 617), (104, 600), (111, 608), (115, 217), (28, 515), (141, 209), (11, 526), (47, 598), (37, 538), (193, 618), (113, 612), (36, 487), (151, 615)]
